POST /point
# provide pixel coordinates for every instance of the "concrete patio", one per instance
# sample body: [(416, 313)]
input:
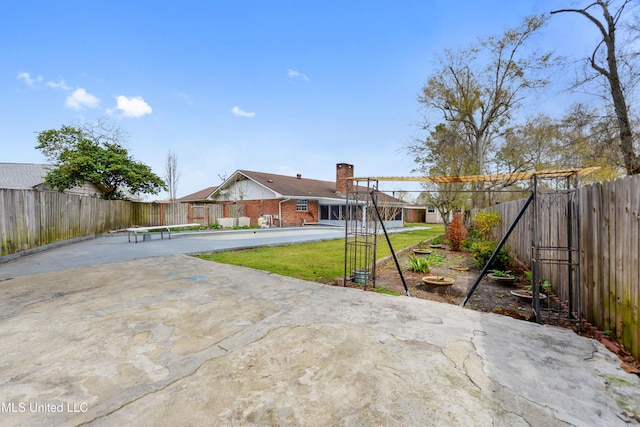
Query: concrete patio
[(173, 340)]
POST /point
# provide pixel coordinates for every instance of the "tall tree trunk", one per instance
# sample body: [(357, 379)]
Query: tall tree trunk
[(631, 159)]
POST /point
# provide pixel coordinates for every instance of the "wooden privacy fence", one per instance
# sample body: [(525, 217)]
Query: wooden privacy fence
[(608, 232), (29, 218), (610, 235)]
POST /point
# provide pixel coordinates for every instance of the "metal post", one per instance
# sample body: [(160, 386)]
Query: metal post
[(374, 271), (569, 247), (495, 252), (535, 259), (395, 259), (346, 238)]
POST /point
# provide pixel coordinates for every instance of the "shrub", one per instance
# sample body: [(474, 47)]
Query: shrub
[(485, 221), (482, 251), (472, 235), (419, 265), (436, 258), (457, 232), (436, 240)]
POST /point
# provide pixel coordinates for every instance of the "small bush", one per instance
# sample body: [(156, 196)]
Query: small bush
[(436, 258), (485, 221), (456, 233), (482, 251), (436, 241), (419, 265), (472, 235)]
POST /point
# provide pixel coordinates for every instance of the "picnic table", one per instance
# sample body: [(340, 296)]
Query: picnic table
[(161, 228)]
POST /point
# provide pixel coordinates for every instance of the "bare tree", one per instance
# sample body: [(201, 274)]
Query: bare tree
[(480, 87), (392, 211), (606, 60), (443, 153), (171, 175)]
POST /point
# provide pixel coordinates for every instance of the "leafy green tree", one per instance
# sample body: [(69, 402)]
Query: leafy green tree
[(95, 154)]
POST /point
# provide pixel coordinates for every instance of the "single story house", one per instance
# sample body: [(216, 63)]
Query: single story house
[(284, 201)]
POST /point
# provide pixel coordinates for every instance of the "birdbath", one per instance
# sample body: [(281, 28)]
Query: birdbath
[(438, 284)]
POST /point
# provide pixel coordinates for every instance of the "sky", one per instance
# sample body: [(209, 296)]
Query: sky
[(283, 87)]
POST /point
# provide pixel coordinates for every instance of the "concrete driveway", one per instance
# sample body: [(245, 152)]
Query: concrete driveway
[(173, 340), (108, 248)]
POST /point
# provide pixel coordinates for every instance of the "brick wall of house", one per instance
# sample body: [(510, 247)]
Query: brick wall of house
[(291, 217), (255, 208)]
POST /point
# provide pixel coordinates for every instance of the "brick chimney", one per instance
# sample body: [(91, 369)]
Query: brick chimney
[(343, 171)]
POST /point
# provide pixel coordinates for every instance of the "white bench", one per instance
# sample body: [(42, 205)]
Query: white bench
[(161, 228)]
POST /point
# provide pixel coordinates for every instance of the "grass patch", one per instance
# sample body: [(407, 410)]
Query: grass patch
[(383, 290), (318, 261)]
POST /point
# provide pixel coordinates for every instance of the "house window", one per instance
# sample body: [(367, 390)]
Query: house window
[(324, 212), (431, 210), (302, 205), (336, 213), (340, 212)]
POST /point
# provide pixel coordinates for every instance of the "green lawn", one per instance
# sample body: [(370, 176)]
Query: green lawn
[(319, 261)]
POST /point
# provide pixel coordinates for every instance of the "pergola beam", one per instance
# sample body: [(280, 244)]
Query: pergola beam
[(516, 176)]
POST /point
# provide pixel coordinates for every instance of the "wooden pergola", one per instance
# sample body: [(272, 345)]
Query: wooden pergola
[(359, 237), (501, 177)]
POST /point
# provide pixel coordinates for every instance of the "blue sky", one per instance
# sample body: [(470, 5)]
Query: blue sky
[(283, 87)]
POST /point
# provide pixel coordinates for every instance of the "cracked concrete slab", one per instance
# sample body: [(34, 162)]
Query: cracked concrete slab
[(175, 340)]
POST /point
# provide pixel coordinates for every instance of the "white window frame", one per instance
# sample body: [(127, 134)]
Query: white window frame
[(302, 205)]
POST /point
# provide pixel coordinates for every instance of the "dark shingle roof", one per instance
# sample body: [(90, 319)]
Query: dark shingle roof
[(22, 176), (198, 195), (291, 186)]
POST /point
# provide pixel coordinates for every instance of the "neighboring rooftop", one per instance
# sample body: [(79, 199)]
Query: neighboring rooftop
[(22, 176), (198, 195)]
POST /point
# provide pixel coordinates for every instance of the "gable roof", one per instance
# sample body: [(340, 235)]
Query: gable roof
[(291, 186), (294, 187), (22, 176), (198, 195)]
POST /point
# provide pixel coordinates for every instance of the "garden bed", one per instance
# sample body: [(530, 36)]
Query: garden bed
[(489, 296)]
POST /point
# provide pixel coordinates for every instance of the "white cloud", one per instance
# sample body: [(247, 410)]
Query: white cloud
[(133, 107), (58, 85), (80, 99), (238, 112), (293, 74), (28, 80)]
